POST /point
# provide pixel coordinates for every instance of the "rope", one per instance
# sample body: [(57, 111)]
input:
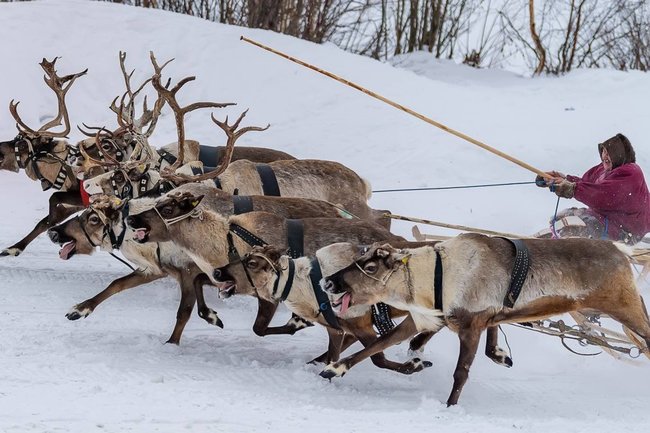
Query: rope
[(123, 261), (553, 232), (452, 187)]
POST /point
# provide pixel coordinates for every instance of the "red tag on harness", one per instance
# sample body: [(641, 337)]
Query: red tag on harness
[(85, 198)]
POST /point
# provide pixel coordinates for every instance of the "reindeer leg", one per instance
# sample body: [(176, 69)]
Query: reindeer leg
[(135, 278), (469, 336), (188, 299), (417, 343), (205, 312), (265, 312), (493, 351), (62, 205), (348, 340), (376, 345)]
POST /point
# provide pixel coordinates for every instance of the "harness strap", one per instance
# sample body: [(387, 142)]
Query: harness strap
[(324, 306), (209, 156), (246, 236), (116, 241), (242, 204), (437, 283), (289, 283), (268, 179), (380, 314), (295, 238), (519, 272), (164, 156)]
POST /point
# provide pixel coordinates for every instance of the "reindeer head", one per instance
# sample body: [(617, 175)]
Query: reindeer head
[(356, 275), (128, 180), (80, 235), (41, 151), (152, 225), (261, 267)]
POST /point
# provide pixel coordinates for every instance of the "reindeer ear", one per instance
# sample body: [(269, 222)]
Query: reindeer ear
[(189, 202), (136, 172), (398, 258), (116, 202)]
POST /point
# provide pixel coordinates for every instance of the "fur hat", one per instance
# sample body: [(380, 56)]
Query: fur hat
[(620, 150)]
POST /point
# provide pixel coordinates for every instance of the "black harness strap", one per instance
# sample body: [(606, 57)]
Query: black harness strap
[(116, 241), (437, 284), (288, 285), (209, 156), (247, 236), (242, 204), (296, 238), (324, 306), (268, 179), (519, 272), (196, 170), (381, 318), (164, 156)]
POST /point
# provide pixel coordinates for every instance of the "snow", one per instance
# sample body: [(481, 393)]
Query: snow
[(111, 372)]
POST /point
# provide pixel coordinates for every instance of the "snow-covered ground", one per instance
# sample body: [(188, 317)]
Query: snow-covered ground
[(111, 372)]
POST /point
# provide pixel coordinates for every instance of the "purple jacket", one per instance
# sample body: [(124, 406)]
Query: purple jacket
[(619, 199)]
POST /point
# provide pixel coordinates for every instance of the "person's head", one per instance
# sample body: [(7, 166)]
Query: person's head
[(616, 151)]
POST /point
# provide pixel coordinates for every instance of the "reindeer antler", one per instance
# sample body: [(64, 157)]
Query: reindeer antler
[(60, 86), (233, 135), (179, 112)]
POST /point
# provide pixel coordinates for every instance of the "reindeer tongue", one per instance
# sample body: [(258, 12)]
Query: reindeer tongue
[(345, 303), (67, 250), (140, 234)]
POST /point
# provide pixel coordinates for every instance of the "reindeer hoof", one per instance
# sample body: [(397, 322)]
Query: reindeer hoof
[(333, 370), (77, 313), (298, 323), (212, 318), (14, 252), (500, 356), (415, 365)]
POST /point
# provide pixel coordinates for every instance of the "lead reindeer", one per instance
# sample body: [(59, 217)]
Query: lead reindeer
[(44, 155), (565, 275)]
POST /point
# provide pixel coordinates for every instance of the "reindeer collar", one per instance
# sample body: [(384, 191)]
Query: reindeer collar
[(288, 284), (324, 305)]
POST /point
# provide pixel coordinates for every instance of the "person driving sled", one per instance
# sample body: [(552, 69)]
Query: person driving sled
[(615, 192)]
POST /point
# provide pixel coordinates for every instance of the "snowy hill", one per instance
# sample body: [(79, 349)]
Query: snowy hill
[(111, 373)]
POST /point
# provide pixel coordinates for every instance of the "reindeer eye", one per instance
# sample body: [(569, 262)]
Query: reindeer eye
[(118, 177), (106, 146), (370, 267), (251, 264), (167, 211), (93, 219)]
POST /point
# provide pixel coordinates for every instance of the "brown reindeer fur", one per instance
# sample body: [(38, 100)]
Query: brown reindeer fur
[(154, 261), (565, 275)]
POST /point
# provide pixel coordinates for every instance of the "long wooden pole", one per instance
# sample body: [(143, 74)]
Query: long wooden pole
[(453, 226), (403, 108)]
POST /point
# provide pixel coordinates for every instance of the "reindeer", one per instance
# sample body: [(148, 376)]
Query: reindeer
[(265, 272), (44, 155), (203, 234), (565, 275), (102, 225)]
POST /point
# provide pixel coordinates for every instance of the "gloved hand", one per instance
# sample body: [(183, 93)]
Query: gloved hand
[(541, 181), (565, 189)]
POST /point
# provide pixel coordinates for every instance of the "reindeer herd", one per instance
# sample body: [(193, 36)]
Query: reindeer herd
[(259, 222)]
